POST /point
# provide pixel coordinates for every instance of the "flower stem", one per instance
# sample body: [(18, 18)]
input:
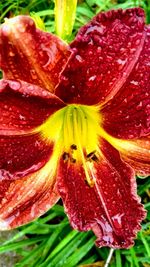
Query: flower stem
[(65, 11), (109, 257)]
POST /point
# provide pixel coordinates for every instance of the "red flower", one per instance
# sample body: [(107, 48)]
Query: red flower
[(75, 124)]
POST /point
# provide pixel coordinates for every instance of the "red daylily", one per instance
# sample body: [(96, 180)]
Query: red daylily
[(75, 124)]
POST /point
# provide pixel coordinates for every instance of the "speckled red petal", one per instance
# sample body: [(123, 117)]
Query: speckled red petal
[(127, 116), (30, 54), (24, 106), (105, 52), (24, 200), (111, 208)]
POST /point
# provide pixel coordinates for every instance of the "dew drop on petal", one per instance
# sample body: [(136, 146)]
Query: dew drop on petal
[(134, 82), (79, 58), (14, 85), (11, 54), (117, 220), (21, 117), (121, 61), (139, 106), (92, 78)]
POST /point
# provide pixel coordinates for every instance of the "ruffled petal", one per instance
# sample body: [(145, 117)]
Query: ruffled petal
[(105, 52), (31, 55), (24, 106), (127, 115), (23, 200), (111, 207)]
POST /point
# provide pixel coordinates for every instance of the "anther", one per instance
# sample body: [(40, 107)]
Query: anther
[(65, 156), (73, 160), (95, 158), (92, 156), (74, 147)]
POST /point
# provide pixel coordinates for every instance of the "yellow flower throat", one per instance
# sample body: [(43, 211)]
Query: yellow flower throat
[(74, 130)]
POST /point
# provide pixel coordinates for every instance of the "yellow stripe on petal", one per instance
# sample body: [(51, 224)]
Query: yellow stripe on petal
[(28, 198), (135, 151)]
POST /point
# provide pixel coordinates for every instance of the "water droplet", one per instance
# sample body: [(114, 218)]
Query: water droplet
[(5, 107), (139, 106), (134, 82), (137, 42), (79, 58), (99, 49), (21, 117), (11, 54), (117, 220), (92, 78), (14, 85), (121, 61), (127, 117)]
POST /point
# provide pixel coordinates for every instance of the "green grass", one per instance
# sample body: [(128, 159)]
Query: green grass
[(49, 241)]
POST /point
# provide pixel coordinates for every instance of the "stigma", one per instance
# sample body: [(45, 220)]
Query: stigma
[(74, 131)]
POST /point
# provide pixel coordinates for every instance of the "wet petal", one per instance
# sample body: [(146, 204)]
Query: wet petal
[(105, 52), (30, 54), (111, 207), (127, 116), (22, 154), (22, 201), (137, 154), (24, 106)]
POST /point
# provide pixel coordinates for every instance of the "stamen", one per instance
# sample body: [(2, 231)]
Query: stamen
[(74, 147), (65, 156), (74, 131)]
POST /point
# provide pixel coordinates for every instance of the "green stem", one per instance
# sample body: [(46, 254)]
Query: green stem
[(65, 11)]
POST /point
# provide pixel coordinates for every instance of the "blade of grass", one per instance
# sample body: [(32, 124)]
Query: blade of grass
[(134, 258), (10, 247), (118, 258), (75, 258), (147, 248)]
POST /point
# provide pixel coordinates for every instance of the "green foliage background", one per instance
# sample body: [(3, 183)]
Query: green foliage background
[(49, 241)]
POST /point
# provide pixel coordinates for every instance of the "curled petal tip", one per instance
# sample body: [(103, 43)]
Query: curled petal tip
[(17, 24), (30, 54)]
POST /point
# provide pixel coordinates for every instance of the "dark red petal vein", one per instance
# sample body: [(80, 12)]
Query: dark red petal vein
[(111, 208), (104, 53)]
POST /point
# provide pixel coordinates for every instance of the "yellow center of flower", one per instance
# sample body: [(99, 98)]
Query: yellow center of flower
[(74, 130)]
